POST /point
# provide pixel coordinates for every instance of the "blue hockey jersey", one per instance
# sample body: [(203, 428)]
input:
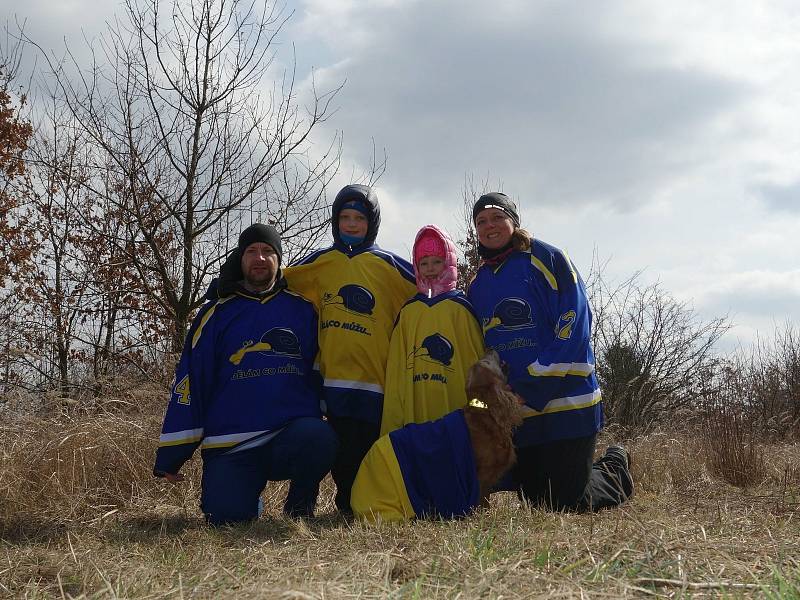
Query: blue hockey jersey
[(536, 315), (420, 470), (246, 370)]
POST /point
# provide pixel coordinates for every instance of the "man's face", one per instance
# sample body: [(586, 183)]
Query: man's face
[(259, 266), (353, 223)]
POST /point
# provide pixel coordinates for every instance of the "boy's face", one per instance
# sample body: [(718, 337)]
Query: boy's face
[(430, 267), (353, 223)]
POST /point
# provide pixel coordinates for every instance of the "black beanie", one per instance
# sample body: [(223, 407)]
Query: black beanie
[(499, 201), (258, 232)]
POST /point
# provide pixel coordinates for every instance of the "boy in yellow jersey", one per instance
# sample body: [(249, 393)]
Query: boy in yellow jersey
[(358, 289)]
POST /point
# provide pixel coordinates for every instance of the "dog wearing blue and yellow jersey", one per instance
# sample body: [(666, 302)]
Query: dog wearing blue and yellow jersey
[(443, 468)]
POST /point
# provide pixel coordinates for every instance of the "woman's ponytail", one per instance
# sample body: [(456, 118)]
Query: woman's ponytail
[(521, 240)]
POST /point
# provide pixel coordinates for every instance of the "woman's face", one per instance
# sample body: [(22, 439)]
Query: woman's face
[(494, 228)]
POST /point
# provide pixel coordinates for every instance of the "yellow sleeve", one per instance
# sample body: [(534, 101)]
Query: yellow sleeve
[(394, 393), (472, 347), (401, 290), (303, 280)]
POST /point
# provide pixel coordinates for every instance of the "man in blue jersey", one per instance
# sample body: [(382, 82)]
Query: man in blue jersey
[(245, 391)]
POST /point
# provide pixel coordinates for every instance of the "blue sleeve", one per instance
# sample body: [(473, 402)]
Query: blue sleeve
[(182, 430), (401, 265), (564, 366)]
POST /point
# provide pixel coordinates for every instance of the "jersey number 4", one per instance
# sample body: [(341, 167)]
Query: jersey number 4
[(181, 389)]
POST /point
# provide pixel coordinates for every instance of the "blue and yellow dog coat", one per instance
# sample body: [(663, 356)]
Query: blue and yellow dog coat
[(420, 470)]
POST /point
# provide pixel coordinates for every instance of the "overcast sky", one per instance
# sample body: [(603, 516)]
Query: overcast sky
[(664, 136)]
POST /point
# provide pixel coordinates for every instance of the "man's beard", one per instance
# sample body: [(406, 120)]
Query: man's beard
[(263, 281)]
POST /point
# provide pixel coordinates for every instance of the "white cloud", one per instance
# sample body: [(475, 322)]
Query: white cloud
[(549, 99), (663, 135), (781, 197), (760, 293)]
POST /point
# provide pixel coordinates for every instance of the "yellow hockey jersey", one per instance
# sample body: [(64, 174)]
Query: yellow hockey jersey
[(357, 293), (433, 345)]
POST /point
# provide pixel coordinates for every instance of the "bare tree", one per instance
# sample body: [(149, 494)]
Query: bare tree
[(58, 278), (467, 240), (176, 108), (653, 352)]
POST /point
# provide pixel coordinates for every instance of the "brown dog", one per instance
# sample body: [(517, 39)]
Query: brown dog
[(426, 469), (491, 428)]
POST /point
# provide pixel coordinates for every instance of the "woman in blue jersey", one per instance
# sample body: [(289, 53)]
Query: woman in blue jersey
[(535, 314)]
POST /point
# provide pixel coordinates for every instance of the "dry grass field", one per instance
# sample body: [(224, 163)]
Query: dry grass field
[(81, 517)]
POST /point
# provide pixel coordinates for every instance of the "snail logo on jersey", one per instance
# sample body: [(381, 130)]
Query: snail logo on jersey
[(509, 314), (277, 340), (435, 348), (353, 299)]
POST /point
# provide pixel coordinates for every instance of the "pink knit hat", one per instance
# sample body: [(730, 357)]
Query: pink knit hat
[(429, 243), (432, 241)]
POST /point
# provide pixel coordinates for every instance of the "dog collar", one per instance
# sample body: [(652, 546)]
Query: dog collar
[(477, 403)]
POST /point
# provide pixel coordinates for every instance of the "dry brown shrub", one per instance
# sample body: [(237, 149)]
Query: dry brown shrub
[(732, 446), (88, 459), (667, 462), (82, 461)]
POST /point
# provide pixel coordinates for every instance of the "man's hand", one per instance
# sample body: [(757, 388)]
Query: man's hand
[(174, 477)]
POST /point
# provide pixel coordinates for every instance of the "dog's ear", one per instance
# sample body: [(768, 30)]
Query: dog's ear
[(479, 379), (504, 405)]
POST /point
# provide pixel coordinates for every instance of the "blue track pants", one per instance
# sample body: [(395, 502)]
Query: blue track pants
[(302, 453)]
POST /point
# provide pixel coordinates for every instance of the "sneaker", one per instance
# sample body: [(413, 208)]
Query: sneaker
[(620, 455), (621, 452)]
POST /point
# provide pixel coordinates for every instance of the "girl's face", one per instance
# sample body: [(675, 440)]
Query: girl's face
[(353, 223), (494, 228), (430, 267)]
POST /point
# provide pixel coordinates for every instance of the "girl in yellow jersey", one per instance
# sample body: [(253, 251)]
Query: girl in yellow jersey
[(434, 342), (436, 339)]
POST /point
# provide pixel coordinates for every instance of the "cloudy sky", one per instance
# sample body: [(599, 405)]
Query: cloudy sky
[(660, 136)]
